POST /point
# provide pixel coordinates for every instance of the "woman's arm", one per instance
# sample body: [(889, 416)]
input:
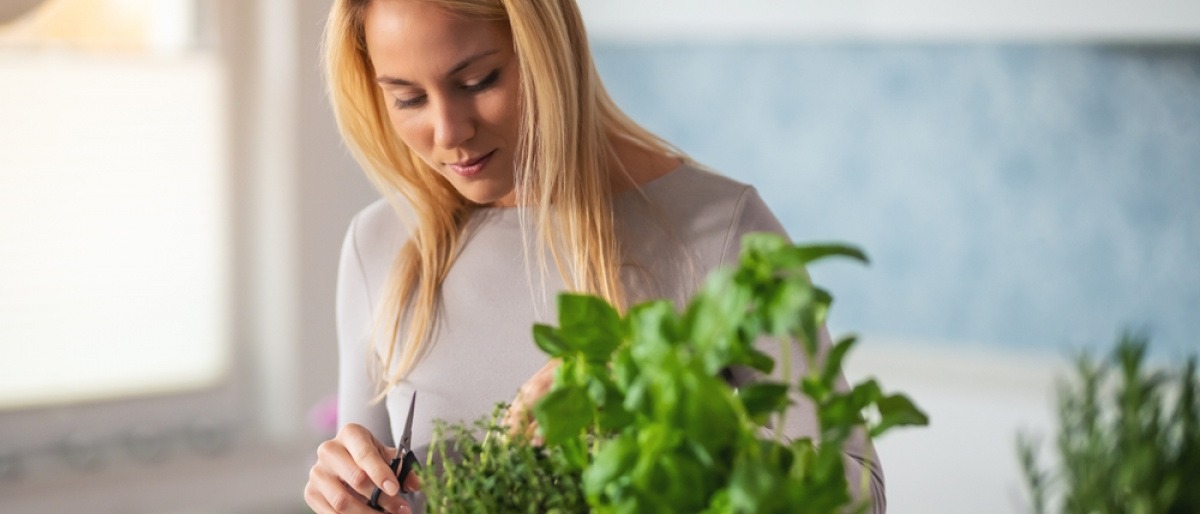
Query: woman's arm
[(355, 461), (355, 305)]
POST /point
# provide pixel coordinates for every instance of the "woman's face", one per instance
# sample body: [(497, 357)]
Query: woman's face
[(453, 90)]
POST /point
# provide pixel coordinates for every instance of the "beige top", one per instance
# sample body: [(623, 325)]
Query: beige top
[(483, 348)]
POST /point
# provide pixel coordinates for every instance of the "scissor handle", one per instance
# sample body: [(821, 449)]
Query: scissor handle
[(402, 465), (410, 462)]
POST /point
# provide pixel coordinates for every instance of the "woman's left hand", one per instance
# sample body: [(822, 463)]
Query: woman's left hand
[(519, 417)]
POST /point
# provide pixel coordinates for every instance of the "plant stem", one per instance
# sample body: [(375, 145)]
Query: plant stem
[(786, 356)]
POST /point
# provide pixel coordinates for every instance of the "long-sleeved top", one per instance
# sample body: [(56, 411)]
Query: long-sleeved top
[(672, 233)]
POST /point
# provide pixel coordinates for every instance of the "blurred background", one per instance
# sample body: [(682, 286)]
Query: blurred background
[(1025, 176)]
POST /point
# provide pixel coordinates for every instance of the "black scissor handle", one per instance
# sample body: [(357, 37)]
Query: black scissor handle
[(402, 465), (406, 467)]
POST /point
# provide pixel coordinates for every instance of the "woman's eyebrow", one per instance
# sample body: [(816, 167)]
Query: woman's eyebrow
[(393, 81)]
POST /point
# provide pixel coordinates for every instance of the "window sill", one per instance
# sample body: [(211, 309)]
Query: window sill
[(241, 482)]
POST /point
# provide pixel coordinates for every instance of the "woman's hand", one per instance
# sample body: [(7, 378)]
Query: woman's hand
[(348, 468), (519, 417)]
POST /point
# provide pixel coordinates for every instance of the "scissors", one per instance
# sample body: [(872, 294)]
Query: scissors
[(405, 459)]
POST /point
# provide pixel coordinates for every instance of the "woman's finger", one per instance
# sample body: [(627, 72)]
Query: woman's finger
[(316, 500), (334, 458), (368, 456), (327, 494), (520, 413), (394, 505), (514, 413), (397, 504), (533, 435), (412, 483)]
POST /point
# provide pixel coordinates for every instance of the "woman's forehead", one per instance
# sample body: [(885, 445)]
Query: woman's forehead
[(418, 37)]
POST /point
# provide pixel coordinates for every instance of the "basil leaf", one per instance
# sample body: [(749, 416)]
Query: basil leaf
[(589, 325), (563, 413), (762, 399), (898, 410), (546, 337)]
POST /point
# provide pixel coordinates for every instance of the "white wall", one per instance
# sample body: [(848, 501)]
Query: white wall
[(701, 20), (977, 401)]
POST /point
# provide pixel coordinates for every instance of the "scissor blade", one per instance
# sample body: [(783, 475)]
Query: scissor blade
[(406, 437)]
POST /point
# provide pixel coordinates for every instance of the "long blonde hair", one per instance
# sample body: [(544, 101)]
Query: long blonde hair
[(565, 159)]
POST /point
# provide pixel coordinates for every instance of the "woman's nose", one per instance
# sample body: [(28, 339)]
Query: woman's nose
[(454, 124)]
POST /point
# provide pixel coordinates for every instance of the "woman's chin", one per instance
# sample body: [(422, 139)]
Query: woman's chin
[(489, 197)]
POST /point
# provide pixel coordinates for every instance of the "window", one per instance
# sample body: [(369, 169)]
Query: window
[(149, 286), (115, 236)]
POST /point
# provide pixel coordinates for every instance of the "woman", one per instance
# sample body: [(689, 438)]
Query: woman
[(507, 175)]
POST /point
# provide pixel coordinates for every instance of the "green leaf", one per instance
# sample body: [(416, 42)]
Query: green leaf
[(637, 398), (840, 412), (712, 318), (754, 483), (833, 361), (782, 307), (813, 387), (713, 421), (547, 339), (763, 398), (719, 503), (624, 369), (809, 253), (597, 390), (682, 482), (758, 244), (611, 412), (758, 360), (563, 413), (574, 451), (613, 463), (897, 410), (614, 417), (589, 324), (812, 320), (654, 322), (805, 452), (567, 374)]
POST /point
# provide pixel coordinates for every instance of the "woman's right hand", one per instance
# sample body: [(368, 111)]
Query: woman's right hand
[(349, 467)]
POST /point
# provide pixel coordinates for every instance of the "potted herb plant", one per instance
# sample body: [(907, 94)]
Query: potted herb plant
[(640, 419), (1128, 439)]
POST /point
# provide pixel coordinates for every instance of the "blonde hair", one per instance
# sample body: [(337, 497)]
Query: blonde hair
[(565, 159)]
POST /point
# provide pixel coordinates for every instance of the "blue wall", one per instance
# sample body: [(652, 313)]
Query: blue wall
[(1016, 196)]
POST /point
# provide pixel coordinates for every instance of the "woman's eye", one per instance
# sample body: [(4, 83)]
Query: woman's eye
[(483, 83), (402, 103)]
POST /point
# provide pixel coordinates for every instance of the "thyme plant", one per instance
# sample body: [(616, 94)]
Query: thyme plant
[(480, 470)]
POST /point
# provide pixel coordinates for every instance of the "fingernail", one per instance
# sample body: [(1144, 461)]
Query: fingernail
[(391, 487)]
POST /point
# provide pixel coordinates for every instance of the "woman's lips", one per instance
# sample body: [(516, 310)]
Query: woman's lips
[(472, 167)]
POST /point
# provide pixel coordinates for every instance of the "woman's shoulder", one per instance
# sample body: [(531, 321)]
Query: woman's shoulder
[(710, 211), (697, 193), (693, 183), (378, 216), (377, 232)]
